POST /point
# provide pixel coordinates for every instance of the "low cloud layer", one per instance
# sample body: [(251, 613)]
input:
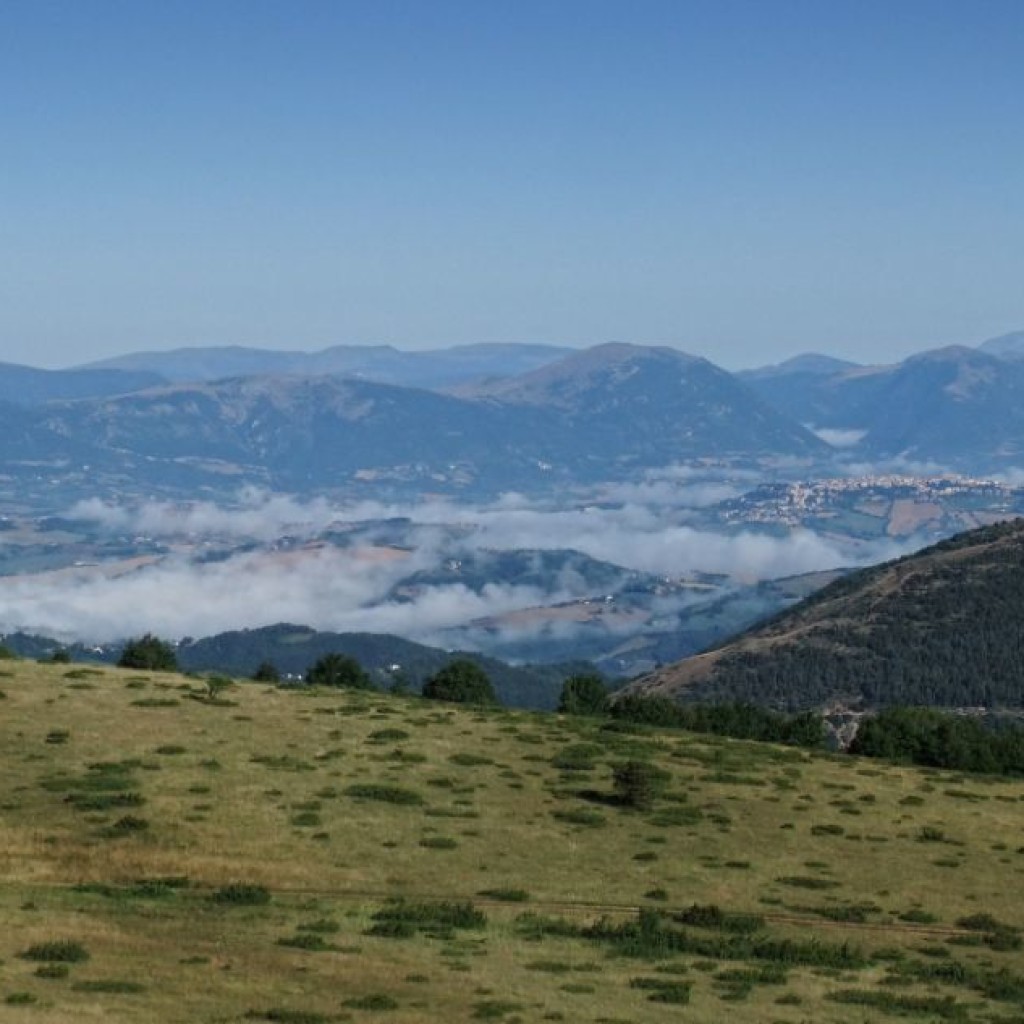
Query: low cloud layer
[(350, 589)]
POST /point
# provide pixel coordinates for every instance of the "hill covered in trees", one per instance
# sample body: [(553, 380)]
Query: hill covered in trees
[(941, 627), (391, 661)]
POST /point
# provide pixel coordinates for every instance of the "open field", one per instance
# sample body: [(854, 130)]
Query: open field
[(306, 856)]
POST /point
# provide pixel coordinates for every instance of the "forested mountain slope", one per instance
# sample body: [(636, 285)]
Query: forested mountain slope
[(941, 627)]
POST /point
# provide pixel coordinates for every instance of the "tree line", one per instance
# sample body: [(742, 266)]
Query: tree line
[(911, 735)]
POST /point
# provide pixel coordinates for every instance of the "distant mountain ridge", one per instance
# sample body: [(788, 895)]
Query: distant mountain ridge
[(596, 415), (431, 368), (488, 418), (957, 406), (25, 385), (940, 627)]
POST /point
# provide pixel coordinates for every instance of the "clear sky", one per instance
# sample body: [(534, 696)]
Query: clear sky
[(744, 179)]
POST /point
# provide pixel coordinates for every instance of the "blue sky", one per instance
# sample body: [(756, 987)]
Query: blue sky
[(744, 179)]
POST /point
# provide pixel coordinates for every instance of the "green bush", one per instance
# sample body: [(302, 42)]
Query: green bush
[(266, 672), (460, 682), (375, 1001), (56, 971), (402, 918), (148, 653), (338, 670), (241, 894), (583, 695), (58, 951), (385, 794), (505, 895), (111, 985), (127, 826), (638, 783)]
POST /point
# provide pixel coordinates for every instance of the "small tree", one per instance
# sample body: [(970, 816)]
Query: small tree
[(338, 670), (266, 672), (148, 653), (584, 695), (461, 681), (216, 685), (638, 783)]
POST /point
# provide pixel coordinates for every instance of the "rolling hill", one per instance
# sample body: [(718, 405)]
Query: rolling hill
[(305, 857), (941, 627), (389, 660)]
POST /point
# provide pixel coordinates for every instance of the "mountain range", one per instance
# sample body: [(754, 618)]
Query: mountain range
[(433, 368), (955, 406), (478, 420), (594, 415)]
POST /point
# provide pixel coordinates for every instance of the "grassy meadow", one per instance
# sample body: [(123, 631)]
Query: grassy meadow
[(310, 856)]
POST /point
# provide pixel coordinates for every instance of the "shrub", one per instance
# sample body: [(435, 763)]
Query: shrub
[(385, 794), (112, 985), (580, 816), (149, 653), (505, 895), (241, 894), (375, 1001), (387, 736), (583, 695), (577, 757), (58, 951), (638, 783), (266, 672), (128, 825), (461, 682), (402, 919), (338, 670), (283, 1016), (216, 684), (711, 916), (309, 941), (494, 1009), (663, 990), (438, 843), (467, 760), (52, 971), (103, 801)]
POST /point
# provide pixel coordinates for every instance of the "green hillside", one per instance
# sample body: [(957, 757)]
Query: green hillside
[(311, 856), (941, 627)]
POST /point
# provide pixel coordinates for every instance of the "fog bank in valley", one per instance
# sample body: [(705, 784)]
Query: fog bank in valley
[(287, 571)]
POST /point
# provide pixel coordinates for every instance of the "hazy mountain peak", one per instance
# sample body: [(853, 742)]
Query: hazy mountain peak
[(947, 354), (436, 368), (1006, 346), (609, 365), (814, 363)]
